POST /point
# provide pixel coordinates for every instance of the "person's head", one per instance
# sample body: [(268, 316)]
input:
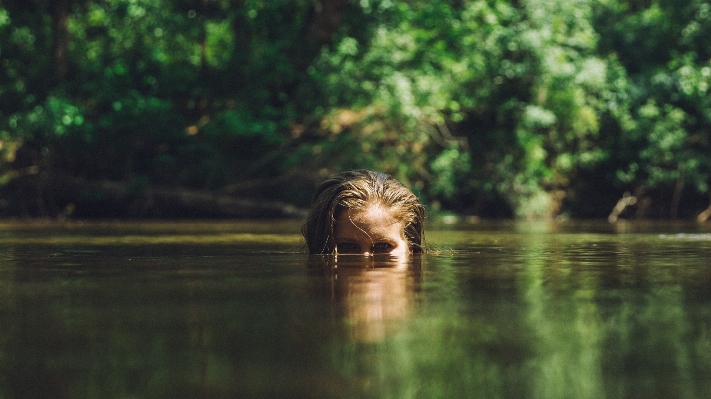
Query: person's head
[(364, 212)]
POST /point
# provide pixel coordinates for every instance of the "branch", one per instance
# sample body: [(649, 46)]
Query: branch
[(704, 215), (156, 200), (626, 200)]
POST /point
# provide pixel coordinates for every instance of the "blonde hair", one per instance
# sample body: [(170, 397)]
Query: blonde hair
[(355, 190)]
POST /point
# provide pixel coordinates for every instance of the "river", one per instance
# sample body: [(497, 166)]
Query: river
[(237, 309)]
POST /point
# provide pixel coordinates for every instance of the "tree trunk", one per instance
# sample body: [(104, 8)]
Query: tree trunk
[(59, 11), (328, 15), (676, 198)]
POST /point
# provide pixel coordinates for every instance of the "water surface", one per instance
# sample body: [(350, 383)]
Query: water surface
[(236, 309)]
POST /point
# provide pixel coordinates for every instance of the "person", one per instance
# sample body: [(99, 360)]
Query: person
[(364, 212)]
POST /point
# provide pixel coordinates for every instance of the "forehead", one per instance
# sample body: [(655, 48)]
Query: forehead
[(374, 220), (372, 214)]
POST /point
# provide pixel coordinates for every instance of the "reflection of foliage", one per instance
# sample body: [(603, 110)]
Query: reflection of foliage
[(488, 107), (539, 314), (549, 317)]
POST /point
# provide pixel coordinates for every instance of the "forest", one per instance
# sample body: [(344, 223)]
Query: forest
[(556, 109)]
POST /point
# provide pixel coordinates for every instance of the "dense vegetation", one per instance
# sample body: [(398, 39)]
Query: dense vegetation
[(493, 108)]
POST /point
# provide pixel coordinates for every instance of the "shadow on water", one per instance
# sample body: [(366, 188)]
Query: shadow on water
[(235, 310)]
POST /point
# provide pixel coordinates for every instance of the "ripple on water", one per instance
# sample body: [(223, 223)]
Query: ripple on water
[(687, 237)]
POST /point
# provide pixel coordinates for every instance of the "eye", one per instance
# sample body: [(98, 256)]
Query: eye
[(348, 248), (382, 248)]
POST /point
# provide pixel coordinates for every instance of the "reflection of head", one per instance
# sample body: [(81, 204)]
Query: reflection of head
[(373, 295), (356, 190)]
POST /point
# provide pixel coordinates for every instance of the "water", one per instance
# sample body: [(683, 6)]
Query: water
[(500, 310)]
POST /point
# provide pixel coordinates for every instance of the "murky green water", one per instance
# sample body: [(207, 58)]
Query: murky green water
[(509, 310)]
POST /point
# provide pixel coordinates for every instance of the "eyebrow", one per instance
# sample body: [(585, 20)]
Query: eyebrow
[(373, 239)]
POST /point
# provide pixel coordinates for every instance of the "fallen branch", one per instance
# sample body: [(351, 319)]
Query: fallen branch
[(704, 215), (626, 200), (166, 201)]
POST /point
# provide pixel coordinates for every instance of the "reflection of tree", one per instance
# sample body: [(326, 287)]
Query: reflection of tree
[(373, 295), (614, 319), (653, 323), (539, 316), (565, 331)]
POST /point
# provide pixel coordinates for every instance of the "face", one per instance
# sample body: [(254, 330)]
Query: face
[(369, 231)]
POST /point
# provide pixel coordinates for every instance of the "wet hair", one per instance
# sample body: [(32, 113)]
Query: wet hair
[(358, 189)]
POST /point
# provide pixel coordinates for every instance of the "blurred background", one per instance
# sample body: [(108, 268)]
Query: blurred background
[(239, 108)]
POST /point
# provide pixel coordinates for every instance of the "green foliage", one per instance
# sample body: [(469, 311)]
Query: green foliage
[(519, 89), (493, 108), (662, 122)]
